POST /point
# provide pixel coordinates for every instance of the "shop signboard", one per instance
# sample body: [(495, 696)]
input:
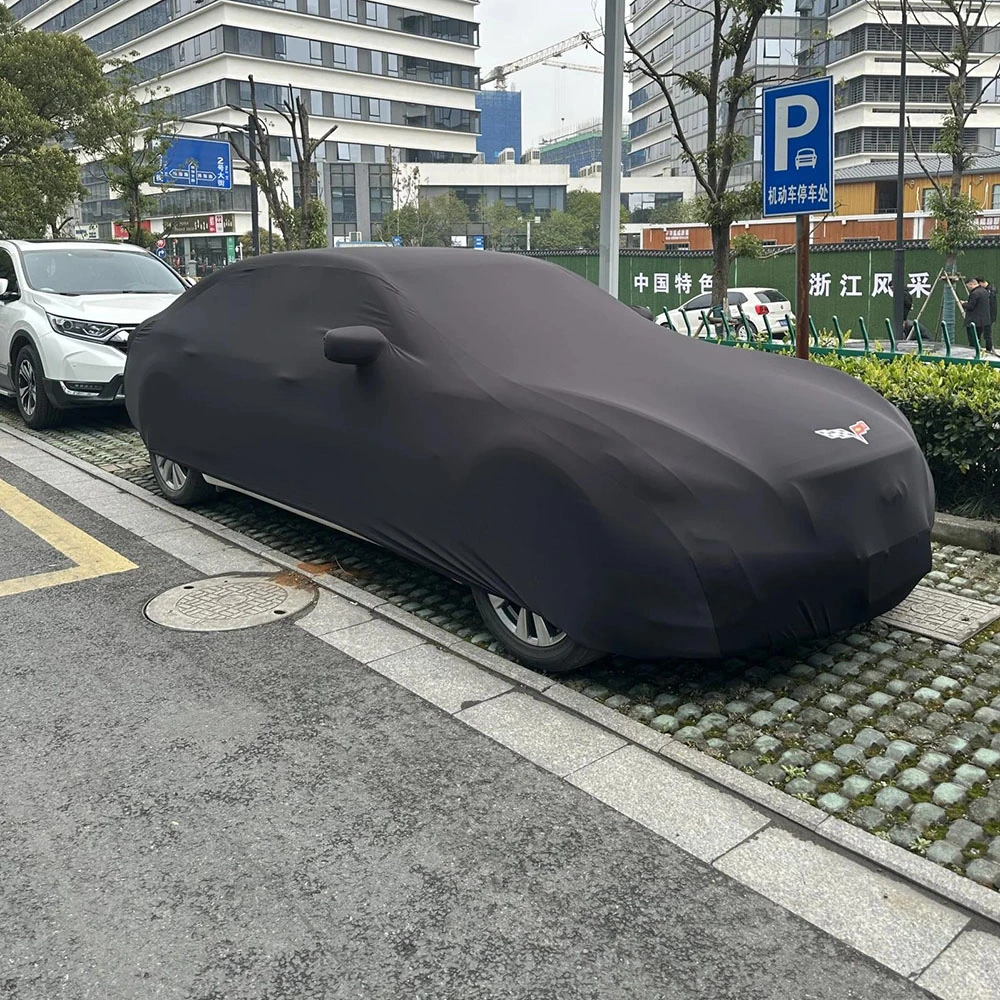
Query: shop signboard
[(203, 225)]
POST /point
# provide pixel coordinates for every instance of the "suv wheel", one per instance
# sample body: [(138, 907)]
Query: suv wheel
[(34, 406), (533, 640), (179, 483)]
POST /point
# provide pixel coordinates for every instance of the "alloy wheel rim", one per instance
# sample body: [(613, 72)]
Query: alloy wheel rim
[(526, 625), (27, 386), (174, 476)]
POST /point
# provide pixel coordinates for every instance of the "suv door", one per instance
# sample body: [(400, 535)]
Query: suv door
[(11, 312)]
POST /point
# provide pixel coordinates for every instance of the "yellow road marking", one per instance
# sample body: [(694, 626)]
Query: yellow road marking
[(91, 558)]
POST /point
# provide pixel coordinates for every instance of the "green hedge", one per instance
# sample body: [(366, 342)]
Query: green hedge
[(955, 414)]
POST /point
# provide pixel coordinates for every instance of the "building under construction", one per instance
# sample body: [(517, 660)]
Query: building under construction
[(579, 150)]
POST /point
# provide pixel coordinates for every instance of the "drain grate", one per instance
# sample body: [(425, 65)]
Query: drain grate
[(938, 615), (223, 603)]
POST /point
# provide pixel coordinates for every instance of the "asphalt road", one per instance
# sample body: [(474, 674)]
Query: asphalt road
[(254, 815)]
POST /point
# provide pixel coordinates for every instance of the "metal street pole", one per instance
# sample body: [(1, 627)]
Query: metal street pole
[(899, 254), (254, 194), (802, 286), (611, 161)]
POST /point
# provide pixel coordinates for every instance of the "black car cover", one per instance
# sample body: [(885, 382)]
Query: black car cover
[(523, 431)]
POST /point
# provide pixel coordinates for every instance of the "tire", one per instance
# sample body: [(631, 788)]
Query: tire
[(544, 646), (33, 404), (178, 483)]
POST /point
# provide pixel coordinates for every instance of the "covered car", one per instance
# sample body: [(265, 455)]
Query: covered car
[(502, 420)]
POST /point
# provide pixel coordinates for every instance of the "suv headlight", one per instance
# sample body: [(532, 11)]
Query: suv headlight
[(82, 328)]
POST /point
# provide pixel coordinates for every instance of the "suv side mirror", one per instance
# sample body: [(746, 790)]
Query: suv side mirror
[(353, 345), (4, 285)]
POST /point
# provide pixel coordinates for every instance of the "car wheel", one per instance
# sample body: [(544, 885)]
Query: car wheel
[(533, 640), (34, 406), (178, 483)]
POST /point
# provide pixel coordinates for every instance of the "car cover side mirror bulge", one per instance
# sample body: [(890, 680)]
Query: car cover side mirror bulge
[(353, 345)]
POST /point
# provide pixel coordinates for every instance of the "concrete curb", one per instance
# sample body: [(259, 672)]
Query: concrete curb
[(842, 837), (970, 534)]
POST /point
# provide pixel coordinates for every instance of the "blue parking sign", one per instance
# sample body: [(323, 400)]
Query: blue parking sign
[(797, 139)]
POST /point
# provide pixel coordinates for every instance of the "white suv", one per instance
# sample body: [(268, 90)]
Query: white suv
[(66, 312)]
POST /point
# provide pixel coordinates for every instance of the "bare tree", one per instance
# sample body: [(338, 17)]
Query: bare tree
[(297, 225), (727, 88), (949, 37)]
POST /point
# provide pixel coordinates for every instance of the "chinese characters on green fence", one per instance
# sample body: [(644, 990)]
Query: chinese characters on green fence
[(822, 284)]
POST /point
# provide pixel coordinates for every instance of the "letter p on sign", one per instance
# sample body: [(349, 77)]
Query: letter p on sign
[(783, 132)]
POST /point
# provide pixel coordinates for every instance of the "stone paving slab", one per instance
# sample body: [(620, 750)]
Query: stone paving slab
[(535, 729), (659, 796), (969, 969), (894, 733), (895, 924), (442, 678)]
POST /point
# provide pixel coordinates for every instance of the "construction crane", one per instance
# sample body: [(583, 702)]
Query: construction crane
[(499, 74), (559, 64)]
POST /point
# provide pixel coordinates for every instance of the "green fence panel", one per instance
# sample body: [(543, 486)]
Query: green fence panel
[(848, 282)]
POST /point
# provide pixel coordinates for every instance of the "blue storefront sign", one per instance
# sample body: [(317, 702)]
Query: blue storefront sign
[(797, 139)]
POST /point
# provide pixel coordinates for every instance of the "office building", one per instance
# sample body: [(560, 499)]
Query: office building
[(500, 121), (400, 83), (679, 39), (850, 43), (536, 190), (842, 38)]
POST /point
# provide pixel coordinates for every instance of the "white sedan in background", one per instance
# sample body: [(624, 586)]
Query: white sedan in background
[(754, 303)]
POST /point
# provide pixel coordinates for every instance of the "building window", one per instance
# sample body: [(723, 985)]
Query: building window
[(995, 197)]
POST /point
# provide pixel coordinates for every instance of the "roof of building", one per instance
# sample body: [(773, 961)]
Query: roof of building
[(936, 163)]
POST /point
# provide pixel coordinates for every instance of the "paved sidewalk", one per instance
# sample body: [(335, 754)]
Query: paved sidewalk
[(896, 734), (257, 814)]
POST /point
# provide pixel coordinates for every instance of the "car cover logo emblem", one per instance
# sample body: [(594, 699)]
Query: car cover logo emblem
[(856, 431)]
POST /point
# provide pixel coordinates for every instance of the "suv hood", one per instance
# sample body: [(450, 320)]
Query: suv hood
[(128, 310)]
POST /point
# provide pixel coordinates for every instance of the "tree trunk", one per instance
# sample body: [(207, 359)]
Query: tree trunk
[(134, 220), (720, 264)]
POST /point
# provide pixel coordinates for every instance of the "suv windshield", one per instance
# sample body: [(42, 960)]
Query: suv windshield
[(95, 271)]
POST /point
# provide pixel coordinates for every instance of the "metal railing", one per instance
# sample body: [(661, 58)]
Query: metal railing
[(741, 332)]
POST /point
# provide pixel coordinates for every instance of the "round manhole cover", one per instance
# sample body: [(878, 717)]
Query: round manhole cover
[(222, 603)]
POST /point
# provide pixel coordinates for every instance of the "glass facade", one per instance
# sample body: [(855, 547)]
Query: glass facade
[(321, 103), (527, 200), (818, 52), (280, 48), (886, 140), (373, 15), (885, 90), (773, 55)]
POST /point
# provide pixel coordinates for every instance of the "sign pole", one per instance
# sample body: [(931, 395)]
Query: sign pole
[(802, 286), (899, 251), (611, 161), (254, 196)]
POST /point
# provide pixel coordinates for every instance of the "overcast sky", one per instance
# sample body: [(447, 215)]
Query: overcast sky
[(554, 100)]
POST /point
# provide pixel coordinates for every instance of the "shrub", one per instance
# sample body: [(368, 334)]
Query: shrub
[(955, 413)]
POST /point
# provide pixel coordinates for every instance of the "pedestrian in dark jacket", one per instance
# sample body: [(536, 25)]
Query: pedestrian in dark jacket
[(977, 312), (991, 291)]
